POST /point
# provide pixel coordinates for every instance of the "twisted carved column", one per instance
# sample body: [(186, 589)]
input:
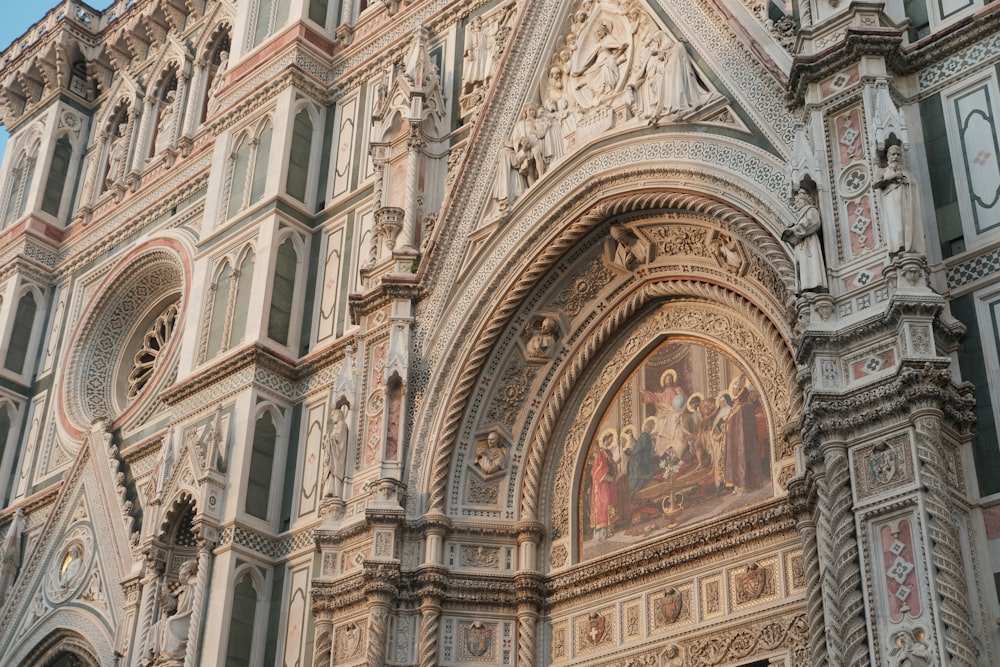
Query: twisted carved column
[(946, 552), (150, 588), (198, 602), (529, 587), (381, 589), (844, 600), (432, 581), (323, 645), (802, 496)]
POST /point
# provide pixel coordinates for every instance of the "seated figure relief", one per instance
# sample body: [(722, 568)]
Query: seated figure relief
[(614, 66)]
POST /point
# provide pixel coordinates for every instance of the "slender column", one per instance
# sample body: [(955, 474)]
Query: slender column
[(198, 602), (150, 587), (178, 122), (845, 605), (802, 495), (415, 144), (195, 94)]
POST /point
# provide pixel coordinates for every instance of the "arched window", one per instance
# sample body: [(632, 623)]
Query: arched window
[(271, 15), (229, 306), (265, 436), (238, 178), (17, 193), (248, 175), (260, 166), (241, 635), (20, 334), (241, 305), (282, 293), (220, 307), (298, 160), (58, 177), (317, 11)]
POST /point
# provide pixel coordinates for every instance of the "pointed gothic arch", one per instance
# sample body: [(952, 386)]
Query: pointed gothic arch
[(62, 648)]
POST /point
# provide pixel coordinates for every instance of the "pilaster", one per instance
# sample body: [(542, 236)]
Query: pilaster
[(883, 514)]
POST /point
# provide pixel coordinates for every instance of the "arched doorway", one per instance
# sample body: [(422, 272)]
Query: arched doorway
[(63, 648)]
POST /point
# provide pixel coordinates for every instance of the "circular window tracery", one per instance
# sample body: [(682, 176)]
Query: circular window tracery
[(153, 343), (126, 344)]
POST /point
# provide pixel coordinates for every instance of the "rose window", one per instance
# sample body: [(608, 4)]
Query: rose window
[(153, 343)]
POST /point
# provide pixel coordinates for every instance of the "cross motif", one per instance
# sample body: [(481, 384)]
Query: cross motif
[(855, 179), (593, 634), (981, 158)]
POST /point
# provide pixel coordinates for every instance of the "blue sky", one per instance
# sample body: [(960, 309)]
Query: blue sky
[(18, 16)]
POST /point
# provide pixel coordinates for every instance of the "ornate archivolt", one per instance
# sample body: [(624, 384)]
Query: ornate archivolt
[(573, 299), (589, 194)]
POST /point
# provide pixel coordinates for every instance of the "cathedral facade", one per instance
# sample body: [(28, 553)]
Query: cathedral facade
[(484, 333)]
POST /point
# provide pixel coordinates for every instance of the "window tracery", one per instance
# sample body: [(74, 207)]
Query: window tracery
[(153, 344)]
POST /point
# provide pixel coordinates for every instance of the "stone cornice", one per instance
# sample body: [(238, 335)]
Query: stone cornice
[(858, 42), (252, 355), (916, 384), (880, 324), (644, 564)]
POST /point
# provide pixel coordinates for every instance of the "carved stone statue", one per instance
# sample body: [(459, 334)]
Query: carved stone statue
[(10, 554), (804, 237), (543, 342), (623, 249), (726, 252), (476, 60), (900, 204), (491, 454), (117, 151), (334, 454), (217, 82), (165, 124), (666, 85), (530, 131), (174, 625), (600, 72)]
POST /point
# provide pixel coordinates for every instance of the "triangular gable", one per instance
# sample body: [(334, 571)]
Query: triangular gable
[(71, 576)]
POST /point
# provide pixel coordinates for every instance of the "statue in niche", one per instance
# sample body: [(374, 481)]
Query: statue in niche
[(726, 252), (218, 81), (117, 151), (491, 454), (623, 249), (476, 60), (10, 553), (804, 237), (334, 454), (600, 72), (665, 86), (542, 343), (165, 123), (900, 204), (174, 625)]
